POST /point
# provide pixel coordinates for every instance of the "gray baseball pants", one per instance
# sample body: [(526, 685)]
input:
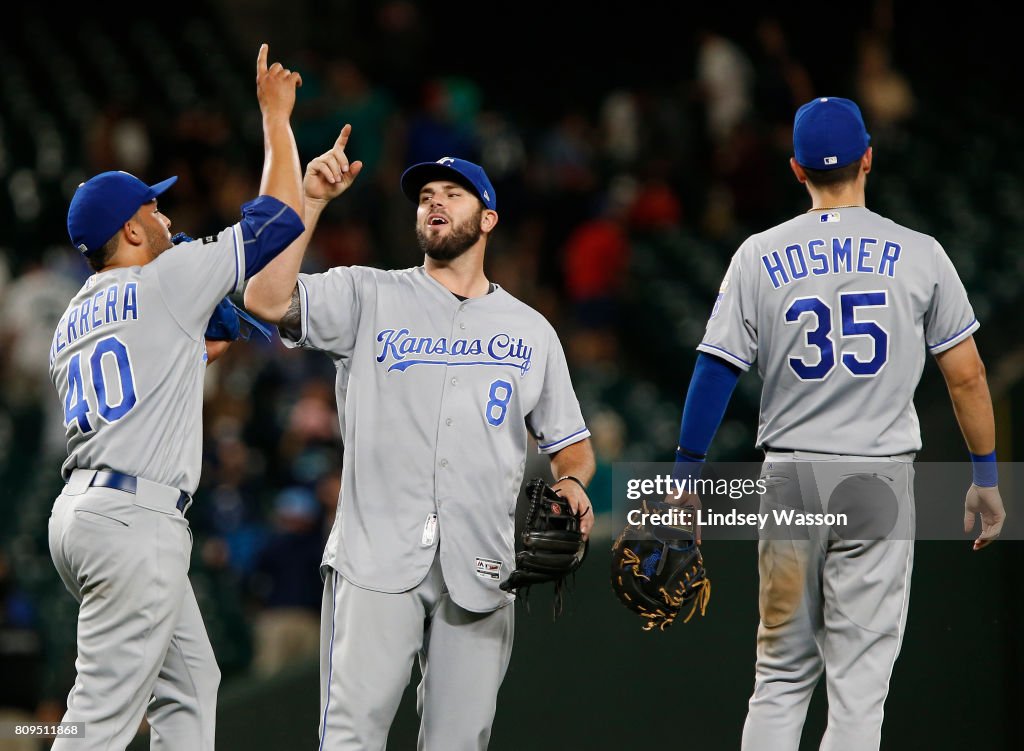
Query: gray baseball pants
[(142, 644), (368, 643), (831, 600)]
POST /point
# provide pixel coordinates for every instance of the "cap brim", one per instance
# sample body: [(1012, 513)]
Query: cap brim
[(162, 186), (418, 175)]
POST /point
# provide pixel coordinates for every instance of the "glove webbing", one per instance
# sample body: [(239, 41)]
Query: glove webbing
[(674, 600)]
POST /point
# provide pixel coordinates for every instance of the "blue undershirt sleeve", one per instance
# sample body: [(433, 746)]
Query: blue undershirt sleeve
[(709, 393), (268, 227)]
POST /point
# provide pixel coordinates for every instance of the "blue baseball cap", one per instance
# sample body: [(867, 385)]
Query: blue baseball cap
[(102, 204), (449, 168), (829, 133)]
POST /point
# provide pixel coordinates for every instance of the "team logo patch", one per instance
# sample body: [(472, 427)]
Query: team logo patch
[(718, 304), (488, 568), (829, 217), (209, 239)]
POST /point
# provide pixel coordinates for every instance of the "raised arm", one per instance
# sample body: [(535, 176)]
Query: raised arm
[(267, 229), (964, 372), (282, 171), (269, 293)]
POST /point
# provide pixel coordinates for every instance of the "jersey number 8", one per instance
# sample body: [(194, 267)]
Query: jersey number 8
[(496, 408)]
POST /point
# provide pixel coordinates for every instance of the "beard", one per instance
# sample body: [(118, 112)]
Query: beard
[(158, 241), (461, 238)]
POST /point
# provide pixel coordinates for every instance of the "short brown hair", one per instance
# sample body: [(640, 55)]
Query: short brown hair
[(99, 258), (821, 178)]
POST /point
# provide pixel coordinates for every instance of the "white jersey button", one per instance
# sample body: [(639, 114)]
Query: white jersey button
[(448, 421), (455, 382), (444, 462)]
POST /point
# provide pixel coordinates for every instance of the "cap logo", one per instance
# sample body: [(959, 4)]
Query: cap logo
[(829, 133), (83, 248), (450, 169)]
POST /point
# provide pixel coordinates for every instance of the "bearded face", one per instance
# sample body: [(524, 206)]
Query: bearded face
[(158, 239), (155, 227), (448, 242)]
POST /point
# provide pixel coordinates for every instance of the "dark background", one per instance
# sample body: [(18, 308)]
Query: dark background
[(179, 78)]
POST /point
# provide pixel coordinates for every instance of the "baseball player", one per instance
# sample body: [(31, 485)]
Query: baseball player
[(441, 375), (128, 359), (838, 307)]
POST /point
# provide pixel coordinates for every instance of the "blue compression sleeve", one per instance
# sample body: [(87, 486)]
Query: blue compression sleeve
[(268, 227), (710, 389)]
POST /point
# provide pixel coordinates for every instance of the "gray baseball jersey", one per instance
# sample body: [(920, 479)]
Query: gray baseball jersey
[(435, 398), (837, 308), (127, 357)]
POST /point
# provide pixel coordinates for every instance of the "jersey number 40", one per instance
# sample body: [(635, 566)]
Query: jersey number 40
[(77, 407), (850, 326)]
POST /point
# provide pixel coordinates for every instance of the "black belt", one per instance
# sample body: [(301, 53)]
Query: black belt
[(128, 484)]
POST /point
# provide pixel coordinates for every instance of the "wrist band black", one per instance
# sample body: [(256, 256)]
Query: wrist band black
[(575, 480), (686, 454)]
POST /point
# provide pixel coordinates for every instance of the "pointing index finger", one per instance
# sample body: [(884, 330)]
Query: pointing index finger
[(261, 59), (343, 136)]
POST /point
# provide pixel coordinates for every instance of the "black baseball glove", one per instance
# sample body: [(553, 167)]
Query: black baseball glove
[(658, 571), (552, 544)]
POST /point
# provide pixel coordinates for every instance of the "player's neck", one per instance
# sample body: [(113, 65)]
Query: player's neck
[(838, 199), (463, 276), (128, 256)]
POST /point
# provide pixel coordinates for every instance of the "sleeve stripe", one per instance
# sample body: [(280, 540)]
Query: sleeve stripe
[(271, 220), (236, 234), (961, 334), (579, 435), (729, 355)]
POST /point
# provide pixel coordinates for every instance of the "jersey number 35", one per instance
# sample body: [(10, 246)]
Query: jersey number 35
[(850, 326)]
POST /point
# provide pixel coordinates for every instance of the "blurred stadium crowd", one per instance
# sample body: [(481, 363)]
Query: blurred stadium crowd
[(619, 211)]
